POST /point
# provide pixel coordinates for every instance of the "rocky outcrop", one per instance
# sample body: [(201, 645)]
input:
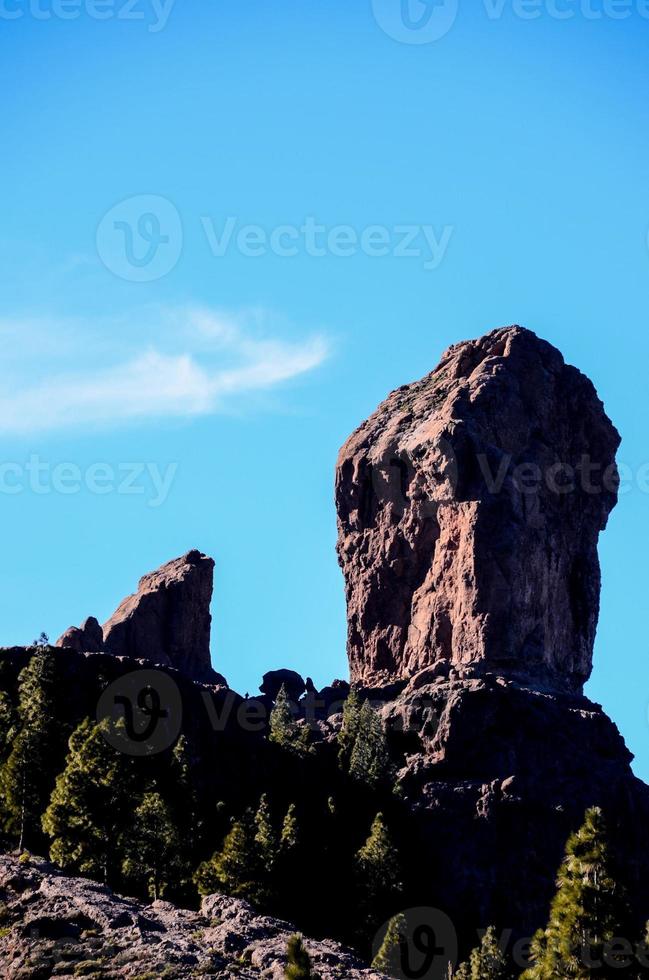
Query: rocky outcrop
[(469, 509), (88, 637), (167, 621), (59, 926)]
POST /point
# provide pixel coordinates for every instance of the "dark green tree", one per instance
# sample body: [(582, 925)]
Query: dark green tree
[(487, 961), (182, 800), (370, 761), (289, 868), (153, 855), (91, 806), (378, 876), (284, 729), (289, 835), (389, 959), (298, 965), (8, 721), (27, 774), (349, 728), (587, 912), (265, 837), (235, 869)]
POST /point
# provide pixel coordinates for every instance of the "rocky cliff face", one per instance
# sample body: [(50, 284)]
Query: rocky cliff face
[(469, 509), (167, 621)]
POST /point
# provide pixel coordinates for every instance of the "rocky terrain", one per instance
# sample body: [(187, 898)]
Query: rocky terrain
[(469, 508), (59, 926)]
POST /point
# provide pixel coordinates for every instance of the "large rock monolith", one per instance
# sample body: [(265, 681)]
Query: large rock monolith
[(469, 509)]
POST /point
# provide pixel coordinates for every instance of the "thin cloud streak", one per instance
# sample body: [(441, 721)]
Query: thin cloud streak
[(190, 363)]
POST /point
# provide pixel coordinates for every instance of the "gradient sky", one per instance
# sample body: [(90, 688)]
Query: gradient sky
[(517, 140)]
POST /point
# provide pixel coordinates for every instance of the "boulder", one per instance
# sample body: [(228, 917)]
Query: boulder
[(167, 621), (469, 510), (274, 680)]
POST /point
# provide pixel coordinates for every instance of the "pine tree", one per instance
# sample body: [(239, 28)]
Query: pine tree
[(289, 868), (91, 805), (27, 775), (487, 961), (370, 757), (378, 875), (8, 722), (389, 958), (152, 848), (235, 869), (289, 835), (349, 728), (284, 729), (265, 836), (587, 912), (298, 965), (182, 801), (181, 788)]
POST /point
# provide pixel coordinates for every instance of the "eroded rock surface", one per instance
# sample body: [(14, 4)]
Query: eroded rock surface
[(469, 508), (60, 926), (167, 621)]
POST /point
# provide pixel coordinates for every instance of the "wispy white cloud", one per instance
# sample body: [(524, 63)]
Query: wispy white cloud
[(162, 363)]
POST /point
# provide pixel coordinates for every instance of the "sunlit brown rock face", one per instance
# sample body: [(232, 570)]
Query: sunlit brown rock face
[(168, 619), (469, 509)]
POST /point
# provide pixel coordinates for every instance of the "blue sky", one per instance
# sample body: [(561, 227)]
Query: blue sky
[(228, 370)]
